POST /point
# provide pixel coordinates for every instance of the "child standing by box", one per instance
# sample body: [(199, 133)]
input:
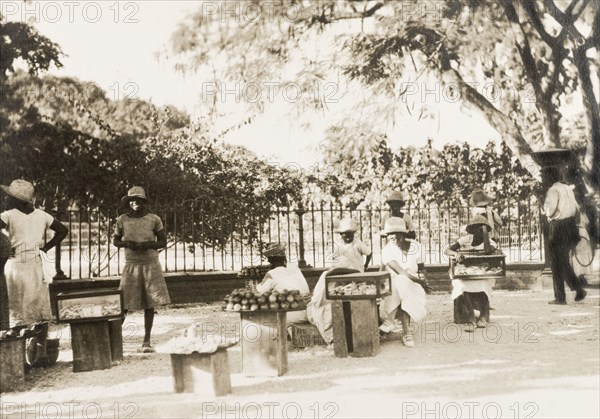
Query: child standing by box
[(141, 234), (350, 251)]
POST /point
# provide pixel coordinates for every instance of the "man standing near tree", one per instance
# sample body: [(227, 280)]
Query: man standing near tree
[(561, 210)]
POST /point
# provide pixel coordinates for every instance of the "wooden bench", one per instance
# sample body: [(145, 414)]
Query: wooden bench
[(355, 327), (192, 372)]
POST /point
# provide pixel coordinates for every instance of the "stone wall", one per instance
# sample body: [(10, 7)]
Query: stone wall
[(213, 286)]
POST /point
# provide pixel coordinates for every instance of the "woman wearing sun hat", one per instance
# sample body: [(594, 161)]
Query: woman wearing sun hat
[(27, 287), (477, 238), (481, 202), (141, 234), (396, 201), (402, 258)]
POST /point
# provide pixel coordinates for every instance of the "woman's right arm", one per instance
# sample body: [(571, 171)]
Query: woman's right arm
[(395, 266), (454, 251)]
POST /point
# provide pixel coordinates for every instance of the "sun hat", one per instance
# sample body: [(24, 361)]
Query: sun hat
[(20, 189), (346, 226), (134, 192), (394, 225), (480, 199), (478, 220), (395, 196), (274, 249)]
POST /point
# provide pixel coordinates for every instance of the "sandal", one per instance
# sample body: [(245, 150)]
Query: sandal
[(407, 340), (146, 348), (482, 323)]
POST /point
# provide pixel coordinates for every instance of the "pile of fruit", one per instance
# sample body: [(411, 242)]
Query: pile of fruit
[(254, 272), (81, 311), (462, 270), (246, 300), (353, 288), (194, 339)]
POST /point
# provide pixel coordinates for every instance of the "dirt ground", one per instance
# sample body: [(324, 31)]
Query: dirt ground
[(534, 361)]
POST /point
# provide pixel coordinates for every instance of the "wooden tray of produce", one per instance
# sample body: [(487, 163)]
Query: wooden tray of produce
[(247, 300), (473, 267)]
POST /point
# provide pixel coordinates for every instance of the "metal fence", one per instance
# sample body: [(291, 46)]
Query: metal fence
[(202, 240)]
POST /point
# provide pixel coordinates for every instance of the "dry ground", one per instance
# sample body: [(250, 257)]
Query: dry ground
[(534, 361)]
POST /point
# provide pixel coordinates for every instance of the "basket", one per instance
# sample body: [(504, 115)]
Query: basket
[(52, 351), (306, 335)]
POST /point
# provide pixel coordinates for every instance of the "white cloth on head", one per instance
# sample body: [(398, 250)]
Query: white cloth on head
[(286, 278), (474, 285), (406, 294), (351, 255)]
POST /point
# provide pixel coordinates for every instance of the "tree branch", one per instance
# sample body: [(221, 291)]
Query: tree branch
[(346, 15), (565, 20), (509, 131), (534, 16), (524, 49)]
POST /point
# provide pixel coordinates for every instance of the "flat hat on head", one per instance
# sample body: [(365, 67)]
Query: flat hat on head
[(274, 249), (394, 225), (136, 192), (395, 196), (346, 226), (477, 221), (20, 189), (480, 199)]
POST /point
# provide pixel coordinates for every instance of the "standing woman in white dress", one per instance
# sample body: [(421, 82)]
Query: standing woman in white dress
[(28, 294), (402, 258)]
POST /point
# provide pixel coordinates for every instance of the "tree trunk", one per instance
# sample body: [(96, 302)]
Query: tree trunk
[(591, 162), (550, 118)]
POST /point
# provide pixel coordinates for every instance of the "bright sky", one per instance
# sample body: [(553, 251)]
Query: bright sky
[(114, 44)]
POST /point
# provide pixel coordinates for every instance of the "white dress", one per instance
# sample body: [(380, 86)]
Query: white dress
[(288, 278), (406, 294), (28, 294), (318, 310), (474, 285)]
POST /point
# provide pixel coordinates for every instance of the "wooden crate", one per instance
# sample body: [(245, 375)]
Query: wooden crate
[(91, 345), (305, 335), (12, 364), (379, 284), (479, 258), (264, 343), (355, 328)]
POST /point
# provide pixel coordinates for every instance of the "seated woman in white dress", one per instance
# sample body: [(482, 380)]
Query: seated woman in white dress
[(478, 289), (283, 277), (402, 258)]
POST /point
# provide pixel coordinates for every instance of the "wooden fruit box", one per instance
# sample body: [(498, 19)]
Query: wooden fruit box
[(478, 265), (358, 286), (85, 306)]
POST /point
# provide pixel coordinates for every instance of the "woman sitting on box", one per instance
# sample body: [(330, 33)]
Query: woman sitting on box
[(402, 258), (476, 239)]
